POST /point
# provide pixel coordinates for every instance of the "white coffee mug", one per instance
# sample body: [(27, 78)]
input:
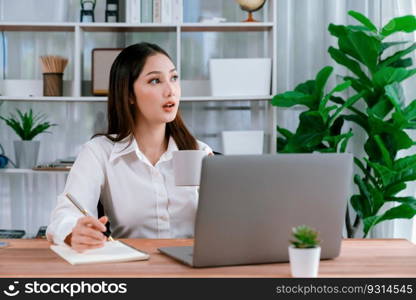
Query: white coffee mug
[(187, 167)]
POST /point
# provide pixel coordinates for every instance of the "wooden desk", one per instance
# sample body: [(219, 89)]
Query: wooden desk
[(359, 258)]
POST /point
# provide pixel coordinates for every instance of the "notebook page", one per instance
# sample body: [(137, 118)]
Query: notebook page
[(113, 251)]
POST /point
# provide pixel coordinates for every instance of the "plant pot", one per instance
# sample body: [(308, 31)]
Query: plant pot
[(304, 262), (26, 153)]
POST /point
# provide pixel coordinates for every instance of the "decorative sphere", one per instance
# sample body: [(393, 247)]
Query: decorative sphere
[(251, 5)]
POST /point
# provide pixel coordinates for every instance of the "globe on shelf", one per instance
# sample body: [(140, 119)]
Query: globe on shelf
[(251, 6)]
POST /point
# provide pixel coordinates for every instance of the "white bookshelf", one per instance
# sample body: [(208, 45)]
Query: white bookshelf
[(30, 171), (26, 190), (104, 99), (80, 32)]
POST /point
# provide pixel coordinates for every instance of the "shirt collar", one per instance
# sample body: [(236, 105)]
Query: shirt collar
[(123, 147), (129, 144), (171, 148)]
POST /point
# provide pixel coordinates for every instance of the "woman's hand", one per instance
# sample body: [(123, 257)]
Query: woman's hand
[(87, 234)]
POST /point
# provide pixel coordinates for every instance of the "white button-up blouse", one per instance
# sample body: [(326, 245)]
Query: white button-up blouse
[(141, 200)]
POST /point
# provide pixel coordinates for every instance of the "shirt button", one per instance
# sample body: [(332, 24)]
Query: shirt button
[(164, 218)]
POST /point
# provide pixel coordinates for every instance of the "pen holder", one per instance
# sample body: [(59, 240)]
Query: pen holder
[(52, 84)]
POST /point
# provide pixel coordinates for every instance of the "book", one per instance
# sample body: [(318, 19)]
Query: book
[(177, 11), (147, 11), (157, 11), (135, 11), (166, 11), (113, 251)]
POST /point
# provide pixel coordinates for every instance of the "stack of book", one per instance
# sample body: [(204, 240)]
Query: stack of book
[(154, 11)]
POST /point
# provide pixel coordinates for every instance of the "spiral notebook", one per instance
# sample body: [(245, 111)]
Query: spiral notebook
[(113, 251)]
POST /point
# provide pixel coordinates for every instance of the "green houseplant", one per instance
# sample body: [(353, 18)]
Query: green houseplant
[(304, 252), (27, 126), (320, 125), (304, 237), (377, 71), (378, 68)]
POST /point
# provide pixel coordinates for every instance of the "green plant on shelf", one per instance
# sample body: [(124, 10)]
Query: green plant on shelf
[(28, 125)]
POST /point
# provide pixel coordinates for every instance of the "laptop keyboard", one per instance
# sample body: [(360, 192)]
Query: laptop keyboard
[(11, 233)]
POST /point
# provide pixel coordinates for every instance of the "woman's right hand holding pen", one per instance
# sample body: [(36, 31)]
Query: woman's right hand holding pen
[(88, 233)]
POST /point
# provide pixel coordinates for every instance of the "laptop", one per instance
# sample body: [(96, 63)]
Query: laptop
[(248, 205)]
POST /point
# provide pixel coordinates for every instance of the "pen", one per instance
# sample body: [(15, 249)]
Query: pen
[(85, 213)]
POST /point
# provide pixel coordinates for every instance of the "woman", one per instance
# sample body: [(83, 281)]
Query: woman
[(130, 168)]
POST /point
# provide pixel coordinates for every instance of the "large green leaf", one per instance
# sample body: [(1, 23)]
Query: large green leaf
[(381, 108), (359, 205), (385, 46), (405, 23), (311, 129), (286, 133), (408, 200), (393, 189), (402, 63), (351, 64), (369, 222), (396, 56), (406, 119), (363, 20), (321, 80), (307, 87), (337, 30), (403, 211), (385, 154), (365, 195), (386, 174), (393, 140), (362, 47), (395, 94), (363, 122), (388, 75), (292, 98), (350, 101), (337, 89), (403, 170)]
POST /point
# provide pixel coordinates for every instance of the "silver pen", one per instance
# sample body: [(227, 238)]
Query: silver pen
[(85, 213)]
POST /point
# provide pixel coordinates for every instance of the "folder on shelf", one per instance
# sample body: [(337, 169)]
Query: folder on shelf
[(112, 252)]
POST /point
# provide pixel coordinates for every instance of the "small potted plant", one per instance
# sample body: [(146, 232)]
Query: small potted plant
[(27, 126), (304, 252)]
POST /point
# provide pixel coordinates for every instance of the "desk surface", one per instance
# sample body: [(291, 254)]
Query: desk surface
[(359, 258)]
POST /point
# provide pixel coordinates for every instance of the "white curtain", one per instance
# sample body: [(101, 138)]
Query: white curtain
[(303, 41)]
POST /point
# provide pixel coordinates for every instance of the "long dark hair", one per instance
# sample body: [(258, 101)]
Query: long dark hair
[(121, 115)]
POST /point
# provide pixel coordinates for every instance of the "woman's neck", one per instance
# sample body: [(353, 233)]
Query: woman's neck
[(151, 141)]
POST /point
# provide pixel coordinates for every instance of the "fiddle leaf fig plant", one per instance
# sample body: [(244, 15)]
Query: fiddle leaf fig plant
[(320, 125), (27, 125), (377, 68)]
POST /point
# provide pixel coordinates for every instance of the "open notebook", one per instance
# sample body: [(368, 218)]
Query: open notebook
[(113, 251)]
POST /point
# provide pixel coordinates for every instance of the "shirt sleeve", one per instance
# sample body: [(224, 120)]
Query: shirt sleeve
[(84, 183)]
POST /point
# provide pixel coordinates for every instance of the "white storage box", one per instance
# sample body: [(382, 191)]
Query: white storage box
[(240, 76)]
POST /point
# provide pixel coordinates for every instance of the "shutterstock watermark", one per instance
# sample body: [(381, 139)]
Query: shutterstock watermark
[(70, 289)]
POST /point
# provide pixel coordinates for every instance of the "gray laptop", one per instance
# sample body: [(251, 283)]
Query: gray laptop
[(248, 205)]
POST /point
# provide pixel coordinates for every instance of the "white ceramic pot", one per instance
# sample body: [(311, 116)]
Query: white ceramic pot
[(26, 153), (304, 262)]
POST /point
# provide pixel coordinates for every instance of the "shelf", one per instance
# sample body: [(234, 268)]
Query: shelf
[(139, 27), (104, 99), (126, 27), (19, 26), (54, 99), (226, 98), (237, 26), (28, 171)]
